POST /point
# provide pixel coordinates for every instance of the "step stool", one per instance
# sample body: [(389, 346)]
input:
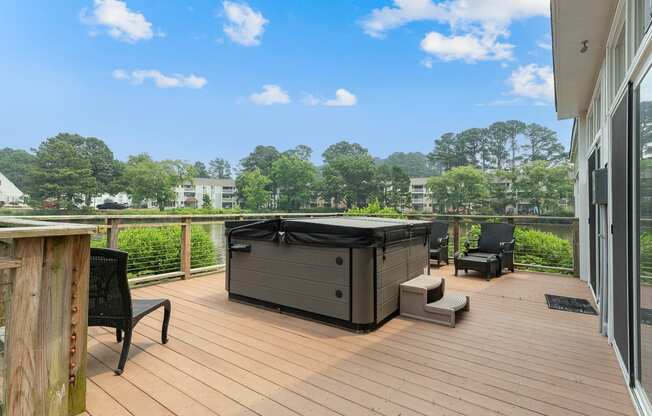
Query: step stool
[(443, 311), (420, 291), (423, 298)]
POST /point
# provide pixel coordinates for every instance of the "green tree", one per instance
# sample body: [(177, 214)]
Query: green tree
[(541, 143), (514, 129), (200, 170), (16, 165), (544, 184), (61, 175), (206, 201), (394, 187), (148, 179), (219, 168), (459, 189), (349, 174), (101, 159), (343, 148), (501, 191), (252, 186), (302, 151), (261, 158), (449, 152), (499, 140), (414, 164), (295, 178)]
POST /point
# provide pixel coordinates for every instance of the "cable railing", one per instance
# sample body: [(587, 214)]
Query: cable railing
[(164, 247)]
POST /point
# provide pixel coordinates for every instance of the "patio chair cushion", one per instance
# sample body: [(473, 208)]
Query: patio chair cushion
[(492, 234), (438, 229)]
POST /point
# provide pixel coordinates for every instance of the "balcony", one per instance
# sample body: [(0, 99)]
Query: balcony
[(508, 355)]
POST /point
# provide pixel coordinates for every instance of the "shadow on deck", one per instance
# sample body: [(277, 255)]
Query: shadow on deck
[(509, 355)]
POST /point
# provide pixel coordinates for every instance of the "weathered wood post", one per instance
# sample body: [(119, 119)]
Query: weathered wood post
[(46, 317), (576, 247), (186, 247), (112, 231)]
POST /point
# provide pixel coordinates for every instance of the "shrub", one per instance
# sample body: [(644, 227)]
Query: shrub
[(375, 209), (158, 249), (536, 248)]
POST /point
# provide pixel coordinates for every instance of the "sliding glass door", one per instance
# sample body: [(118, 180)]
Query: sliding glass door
[(641, 286)]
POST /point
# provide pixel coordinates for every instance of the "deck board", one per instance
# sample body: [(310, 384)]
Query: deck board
[(509, 355)]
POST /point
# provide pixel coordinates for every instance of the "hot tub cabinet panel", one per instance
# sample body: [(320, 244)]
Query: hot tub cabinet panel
[(306, 278), (355, 287)]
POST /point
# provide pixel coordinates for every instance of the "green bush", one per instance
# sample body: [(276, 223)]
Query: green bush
[(374, 209), (158, 249), (536, 248)]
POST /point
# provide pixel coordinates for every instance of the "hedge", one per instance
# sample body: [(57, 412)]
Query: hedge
[(158, 249)]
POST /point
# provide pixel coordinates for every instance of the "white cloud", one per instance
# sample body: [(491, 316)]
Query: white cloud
[(380, 21), (533, 81), (427, 62), (139, 76), (468, 48), (246, 26), (121, 22), (475, 25), (343, 98), (271, 94)]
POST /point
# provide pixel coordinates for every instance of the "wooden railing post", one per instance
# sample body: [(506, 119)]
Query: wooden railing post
[(456, 234), (576, 248), (186, 247), (112, 231)]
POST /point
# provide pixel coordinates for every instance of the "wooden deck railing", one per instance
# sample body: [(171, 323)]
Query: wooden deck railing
[(44, 270), (528, 257)]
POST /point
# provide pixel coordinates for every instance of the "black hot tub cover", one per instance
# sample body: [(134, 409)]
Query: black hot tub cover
[(354, 232)]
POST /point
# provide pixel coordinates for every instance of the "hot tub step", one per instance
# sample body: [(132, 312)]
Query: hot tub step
[(443, 311)]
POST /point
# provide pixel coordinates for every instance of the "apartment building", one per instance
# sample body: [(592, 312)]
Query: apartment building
[(221, 192), (420, 195)]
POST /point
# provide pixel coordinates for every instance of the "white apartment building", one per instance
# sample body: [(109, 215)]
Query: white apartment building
[(9, 193), (420, 195), (222, 194)]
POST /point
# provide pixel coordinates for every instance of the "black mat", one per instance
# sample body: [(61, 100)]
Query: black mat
[(646, 316), (564, 303)]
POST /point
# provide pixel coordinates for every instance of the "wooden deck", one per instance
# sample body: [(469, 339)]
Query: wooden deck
[(509, 355)]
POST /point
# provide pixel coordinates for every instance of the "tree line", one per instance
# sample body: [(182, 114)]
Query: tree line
[(478, 169)]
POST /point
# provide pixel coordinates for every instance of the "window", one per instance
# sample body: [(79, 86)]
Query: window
[(619, 63), (643, 14)]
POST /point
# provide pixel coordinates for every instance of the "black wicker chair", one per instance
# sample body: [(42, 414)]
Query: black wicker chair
[(439, 241), (494, 254), (110, 303)]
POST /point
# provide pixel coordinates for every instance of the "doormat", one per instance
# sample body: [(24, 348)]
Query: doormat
[(564, 303), (646, 316)]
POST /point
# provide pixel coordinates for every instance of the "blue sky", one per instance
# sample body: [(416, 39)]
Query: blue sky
[(195, 80)]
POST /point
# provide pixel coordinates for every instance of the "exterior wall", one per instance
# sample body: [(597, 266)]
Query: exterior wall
[(593, 130), (420, 196), (220, 191), (9, 193)]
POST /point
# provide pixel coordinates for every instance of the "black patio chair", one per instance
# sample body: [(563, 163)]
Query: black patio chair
[(110, 304), (495, 251), (439, 241)]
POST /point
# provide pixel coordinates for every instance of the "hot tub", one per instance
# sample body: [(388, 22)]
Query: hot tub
[(342, 270)]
